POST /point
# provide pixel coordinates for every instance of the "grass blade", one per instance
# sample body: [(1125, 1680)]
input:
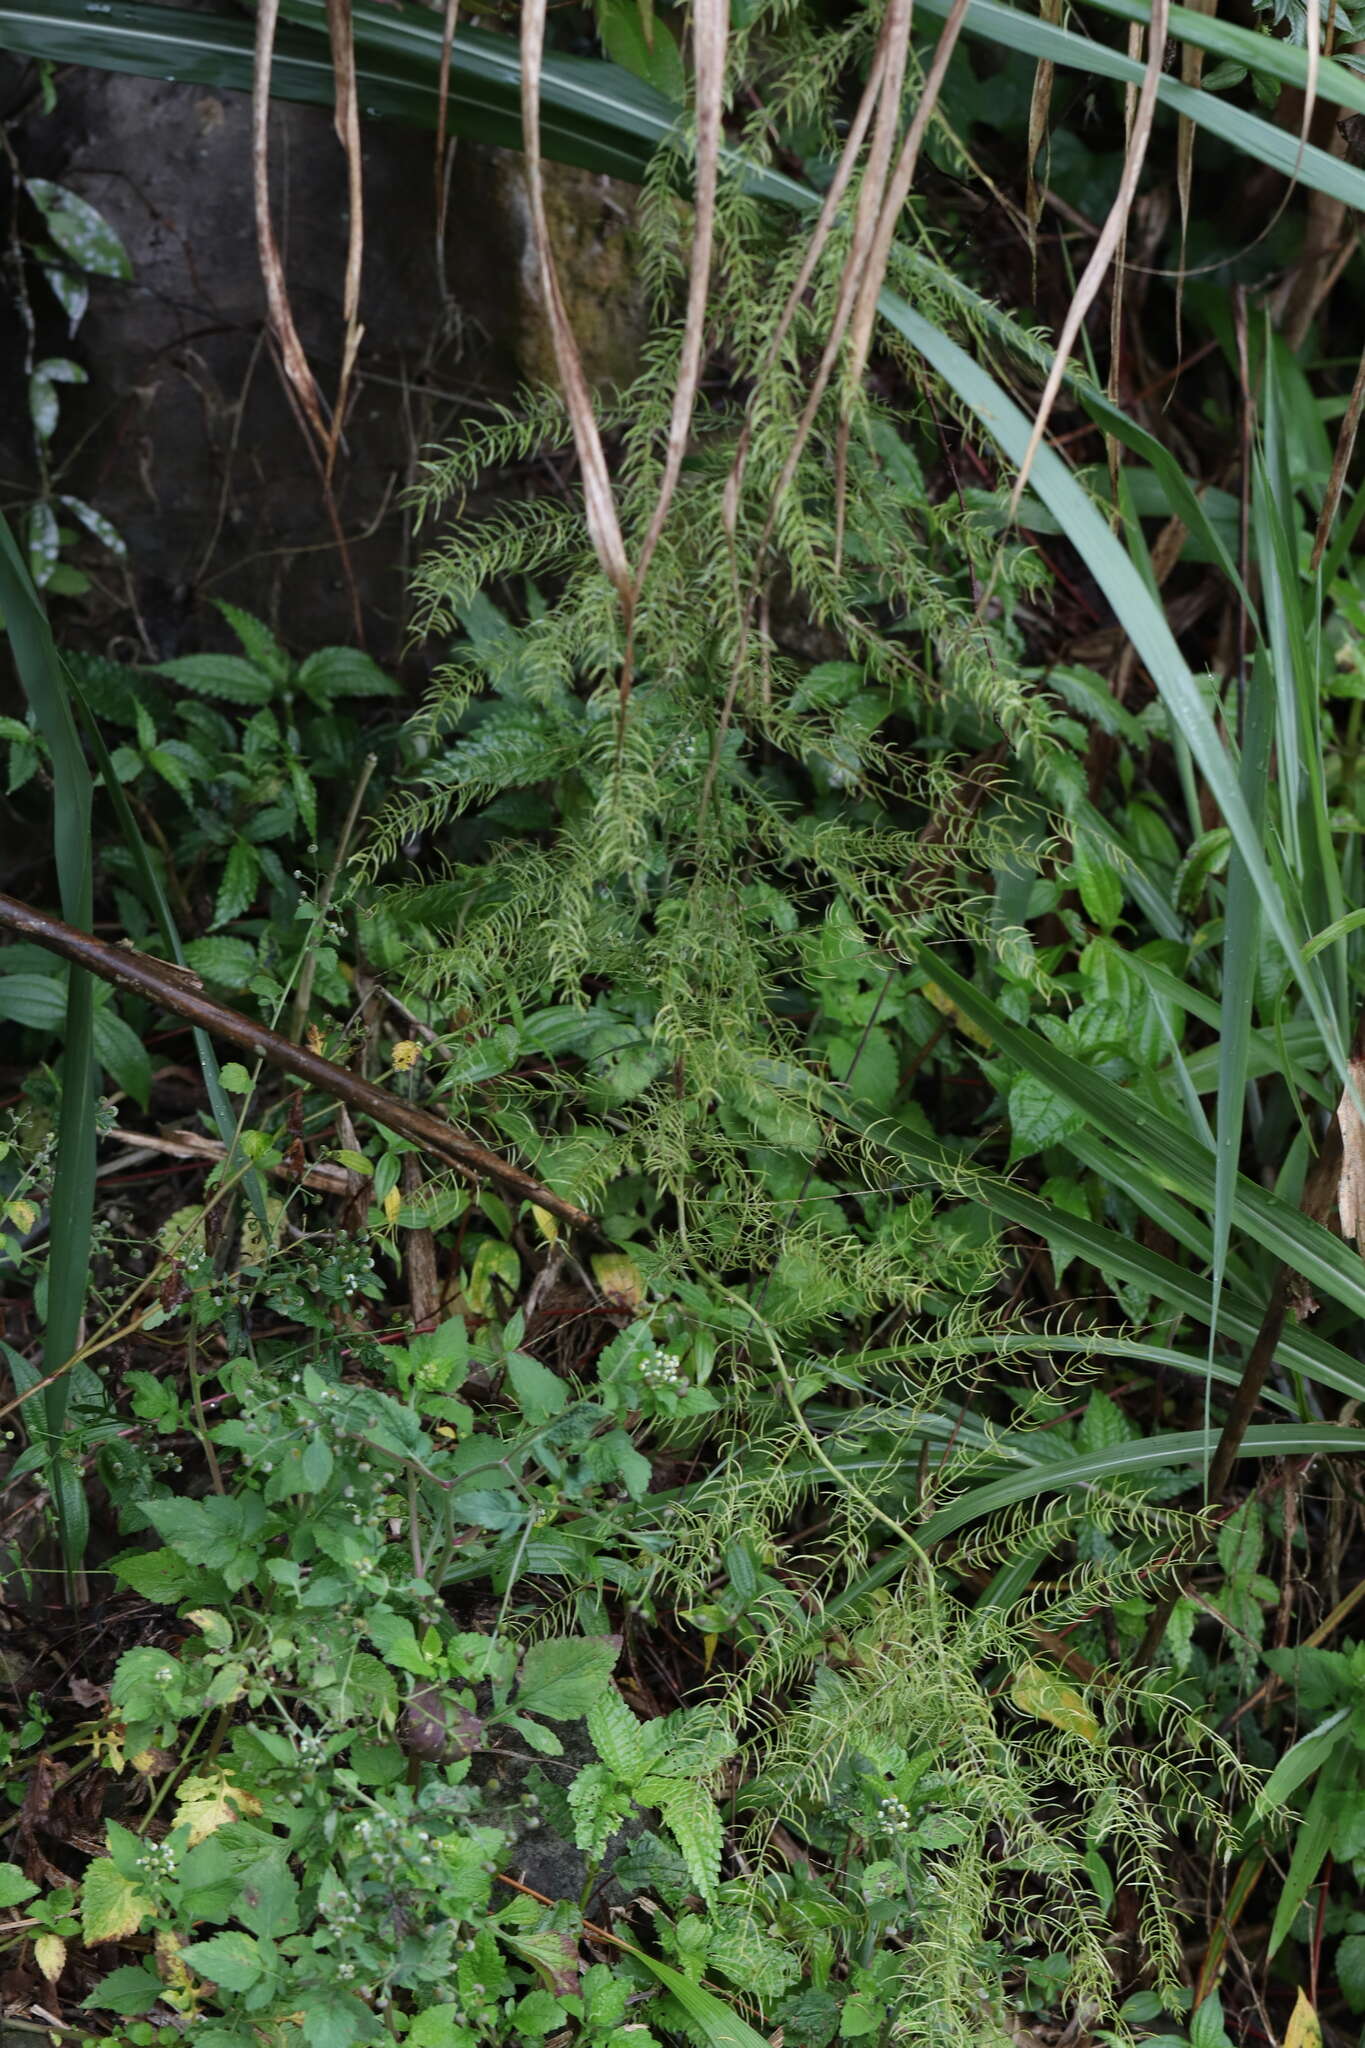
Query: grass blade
[(73, 1187), (1141, 618), (225, 1118), (1144, 1454), (1241, 944)]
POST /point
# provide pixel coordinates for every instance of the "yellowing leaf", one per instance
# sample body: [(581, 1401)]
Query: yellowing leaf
[(49, 1952), (23, 1215), (393, 1202), (1044, 1695), (112, 1907), (213, 1625), (170, 1963), (946, 1007), (210, 1802), (547, 1224), (1305, 2028), (405, 1055), (618, 1275)]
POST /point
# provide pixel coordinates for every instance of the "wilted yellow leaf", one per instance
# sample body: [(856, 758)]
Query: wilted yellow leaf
[(1041, 1693), (946, 1007), (405, 1055), (171, 1964), (112, 1907), (49, 1952), (547, 1224), (617, 1274), (23, 1215), (215, 1626), (393, 1202), (1305, 2028), (211, 1802)]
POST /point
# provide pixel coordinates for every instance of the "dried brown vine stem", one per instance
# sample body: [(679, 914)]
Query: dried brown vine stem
[(599, 500), (174, 989), (441, 162), (348, 135), (711, 20), (1109, 243), (299, 382), (710, 27)]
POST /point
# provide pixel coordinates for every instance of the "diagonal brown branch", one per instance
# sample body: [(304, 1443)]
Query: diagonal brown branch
[(174, 989)]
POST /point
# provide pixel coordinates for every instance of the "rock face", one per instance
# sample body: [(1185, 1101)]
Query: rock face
[(185, 438)]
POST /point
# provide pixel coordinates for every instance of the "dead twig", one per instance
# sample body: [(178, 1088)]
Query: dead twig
[(175, 990)]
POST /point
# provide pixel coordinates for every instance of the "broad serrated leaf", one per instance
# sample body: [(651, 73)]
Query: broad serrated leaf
[(540, 1393), (564, 1676), (211, 1801), (49, 1953), (112, 1907), (693, 1819), (1241, 1541), (37, 1001), (1351, 1971), (1098, 881), (261, 647), (232, 1959), (1039, 1116), (131, 1990), (1102, 1424), (237, 885), (344, 672), (598, 1806), (220, 675), (228, 962), (14, 1886), (616, 1736)]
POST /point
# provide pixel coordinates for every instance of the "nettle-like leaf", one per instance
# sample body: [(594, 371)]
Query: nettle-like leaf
[(14, 1886), (219, 675), (617, 1738), (210, 1802), (599, 1805), (112, 1906), (237, 885), (344, 672), (230, 963), (564, 1676), (232, 1959), (1049, 1698), (693, 1819), (262, 649)]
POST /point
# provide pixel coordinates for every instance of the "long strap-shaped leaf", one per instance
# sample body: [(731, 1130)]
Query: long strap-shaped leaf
[(594, 114), (1116, 1254), (73, 1188), (1160, 1145)]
